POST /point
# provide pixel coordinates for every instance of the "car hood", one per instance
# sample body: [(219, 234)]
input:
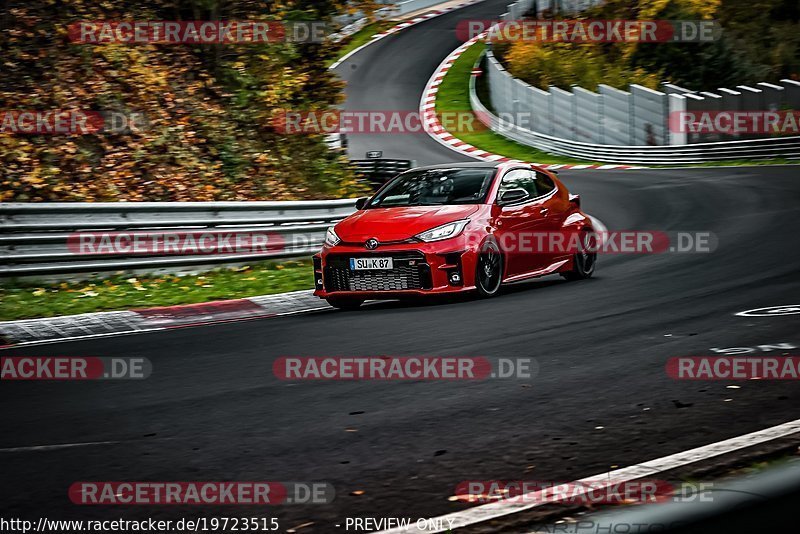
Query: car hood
[(398, 223)]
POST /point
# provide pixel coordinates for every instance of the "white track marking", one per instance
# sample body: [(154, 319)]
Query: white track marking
[(530, 500), (350, 53), (36, 448), (79, 338), (772, 311)]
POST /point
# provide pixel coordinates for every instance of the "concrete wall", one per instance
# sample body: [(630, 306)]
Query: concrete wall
[(637, 117)]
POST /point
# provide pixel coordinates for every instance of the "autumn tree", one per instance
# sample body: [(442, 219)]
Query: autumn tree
[(209, 109)]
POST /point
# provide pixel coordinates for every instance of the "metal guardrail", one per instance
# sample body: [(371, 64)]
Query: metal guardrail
[(776, 147), (378, 171), (36, 237), (399, 9), (609, 122), (391, 10)]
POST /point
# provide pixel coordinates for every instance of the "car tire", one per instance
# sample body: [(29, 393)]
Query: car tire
[(585, 260), (346, 304), (489, 270)]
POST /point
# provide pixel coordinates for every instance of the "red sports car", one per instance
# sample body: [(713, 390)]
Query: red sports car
[(452, 228)]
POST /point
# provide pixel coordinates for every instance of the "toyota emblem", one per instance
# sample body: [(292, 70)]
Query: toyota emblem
[(371, 243)]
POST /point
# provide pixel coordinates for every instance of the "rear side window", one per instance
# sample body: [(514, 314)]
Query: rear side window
[(544, 184), (520, 179)]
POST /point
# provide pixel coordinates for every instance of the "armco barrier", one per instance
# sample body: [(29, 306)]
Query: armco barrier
[(34, 238), (616, 126), (379, 171), (392, 10), (637, 117), (777, 147), (409, 6)]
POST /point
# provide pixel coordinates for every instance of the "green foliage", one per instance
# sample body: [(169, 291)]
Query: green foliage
[(760, 42), (767, 32), (699, 66), (564, 64)]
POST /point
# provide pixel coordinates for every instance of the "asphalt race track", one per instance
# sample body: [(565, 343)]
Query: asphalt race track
[(212, 409), (391, 75)]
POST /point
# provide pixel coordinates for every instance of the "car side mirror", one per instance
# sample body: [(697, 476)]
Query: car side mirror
[(512, 195), (361, 202)]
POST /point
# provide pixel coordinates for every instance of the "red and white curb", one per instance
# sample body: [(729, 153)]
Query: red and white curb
[(402, 26), (137, 321), (434, 128), (104, 324)]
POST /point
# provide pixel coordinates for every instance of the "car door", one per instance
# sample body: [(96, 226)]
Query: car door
[(554, 208), (518, 222)]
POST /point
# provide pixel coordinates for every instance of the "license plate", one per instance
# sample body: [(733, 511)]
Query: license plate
[(366, 264)]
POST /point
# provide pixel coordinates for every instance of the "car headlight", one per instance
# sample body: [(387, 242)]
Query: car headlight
[(331, 239), (444, 231)]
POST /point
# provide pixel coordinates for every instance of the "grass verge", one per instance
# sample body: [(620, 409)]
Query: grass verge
[(23, 300), (453, 95)]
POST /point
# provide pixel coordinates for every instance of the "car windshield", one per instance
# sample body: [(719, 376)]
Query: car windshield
[(435, 187)]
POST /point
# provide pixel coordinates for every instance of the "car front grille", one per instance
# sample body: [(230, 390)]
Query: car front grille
[(410, 272)]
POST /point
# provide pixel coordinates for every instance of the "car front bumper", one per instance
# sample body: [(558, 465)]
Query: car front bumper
[(419, 269)]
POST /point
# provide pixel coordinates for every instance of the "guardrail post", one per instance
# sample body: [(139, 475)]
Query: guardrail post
[(649, 116), (563, 116), (676, 105), (601, 124), (616, 115), (713, 102)]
